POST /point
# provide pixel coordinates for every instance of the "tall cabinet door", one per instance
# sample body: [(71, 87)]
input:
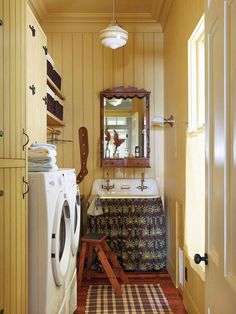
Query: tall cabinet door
[(13, 241), (36, 86), (220, 156), (12, 79)]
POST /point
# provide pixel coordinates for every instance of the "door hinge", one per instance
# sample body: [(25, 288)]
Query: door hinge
[(1, 194), (1, 133), (45, 50), (45, 99), (1, 23), (33, 30)]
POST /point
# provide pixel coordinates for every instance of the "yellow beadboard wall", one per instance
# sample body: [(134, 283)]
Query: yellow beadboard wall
[(182, 20), (87, 67)]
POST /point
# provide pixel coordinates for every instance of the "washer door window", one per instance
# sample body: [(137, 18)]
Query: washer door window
[(75, 221), (61, 239)]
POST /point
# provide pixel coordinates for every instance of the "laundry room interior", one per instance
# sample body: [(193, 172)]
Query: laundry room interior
[(102, 155)]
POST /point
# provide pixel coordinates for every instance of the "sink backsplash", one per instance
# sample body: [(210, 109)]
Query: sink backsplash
[(126, 188)]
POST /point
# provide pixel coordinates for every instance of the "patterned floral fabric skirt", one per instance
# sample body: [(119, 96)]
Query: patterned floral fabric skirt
[(136, 231)]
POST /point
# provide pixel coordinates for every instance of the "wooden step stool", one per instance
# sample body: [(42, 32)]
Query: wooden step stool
[(98, 243)]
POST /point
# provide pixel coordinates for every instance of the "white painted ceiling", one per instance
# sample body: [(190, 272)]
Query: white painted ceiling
[(99, 6)]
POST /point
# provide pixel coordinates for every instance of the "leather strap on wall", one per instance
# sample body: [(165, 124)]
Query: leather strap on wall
[(84, 150)]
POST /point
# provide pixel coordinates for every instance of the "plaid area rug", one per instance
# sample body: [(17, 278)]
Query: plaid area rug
[(143, 299)]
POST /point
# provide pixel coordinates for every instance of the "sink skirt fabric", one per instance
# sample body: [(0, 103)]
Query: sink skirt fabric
[(136, 231)]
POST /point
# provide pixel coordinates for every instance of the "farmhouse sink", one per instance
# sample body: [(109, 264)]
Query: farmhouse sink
[(125, 188)]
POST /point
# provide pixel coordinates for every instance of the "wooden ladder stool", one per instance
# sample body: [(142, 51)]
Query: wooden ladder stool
[(107, 258)]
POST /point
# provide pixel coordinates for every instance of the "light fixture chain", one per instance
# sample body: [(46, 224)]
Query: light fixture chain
[(113, 17)]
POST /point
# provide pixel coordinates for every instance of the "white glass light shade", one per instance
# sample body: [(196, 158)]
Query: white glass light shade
[(113, 36), (115, 101)]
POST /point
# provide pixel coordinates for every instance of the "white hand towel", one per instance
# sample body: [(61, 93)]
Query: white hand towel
[(94, 206), (41, 168), (42, 160), (44, 145), (42, 152)]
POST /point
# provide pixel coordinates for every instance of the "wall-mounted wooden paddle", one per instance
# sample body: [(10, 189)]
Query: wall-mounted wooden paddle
[(84, 150)]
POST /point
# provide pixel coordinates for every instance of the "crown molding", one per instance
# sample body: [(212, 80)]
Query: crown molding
[(157, 8), (88, 27), (39, 9), (164, 13), (73, 17)]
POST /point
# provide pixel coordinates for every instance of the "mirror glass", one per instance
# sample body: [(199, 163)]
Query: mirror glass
[(124, 128), (124, 131)]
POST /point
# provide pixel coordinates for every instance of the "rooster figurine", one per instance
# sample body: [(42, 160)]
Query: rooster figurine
[(117, 140), (107, 136)]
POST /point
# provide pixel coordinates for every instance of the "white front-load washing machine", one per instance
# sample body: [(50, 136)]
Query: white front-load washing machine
[(49, 242), (73, 194)]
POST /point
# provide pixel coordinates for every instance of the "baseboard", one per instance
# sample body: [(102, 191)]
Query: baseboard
[(172, 271), (189, 304)]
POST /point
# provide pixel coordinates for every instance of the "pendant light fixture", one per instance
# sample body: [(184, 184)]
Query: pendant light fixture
[(113, 36)]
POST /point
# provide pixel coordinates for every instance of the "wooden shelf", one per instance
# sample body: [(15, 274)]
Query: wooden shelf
[(55, 88), (53, 121)]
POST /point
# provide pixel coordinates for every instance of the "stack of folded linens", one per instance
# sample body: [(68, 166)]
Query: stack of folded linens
[(42, 158)]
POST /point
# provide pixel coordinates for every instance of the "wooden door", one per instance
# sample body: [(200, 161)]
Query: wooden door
[(220, 156), (12, 78), (36, 77), (13, 242)]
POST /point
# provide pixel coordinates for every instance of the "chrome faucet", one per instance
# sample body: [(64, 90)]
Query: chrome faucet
[(142, 186), (108, 187)]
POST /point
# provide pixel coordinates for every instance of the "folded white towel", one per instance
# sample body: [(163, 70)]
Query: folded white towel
[(42, 152), (42, 160), (41, 168), (44, 145), (38, 165)]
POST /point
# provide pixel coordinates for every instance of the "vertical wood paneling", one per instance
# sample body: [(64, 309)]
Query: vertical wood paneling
[(108, 82), (78, 110), (13, 43), (97, 86), (1, 241), (1, 80), (149, 85), (88, 104), (118, 80), (36, 74), (158, 105), (6, 101), (57, 54), (13, 222), (129, 80), (139, 74), (67, 73), (92, 68)]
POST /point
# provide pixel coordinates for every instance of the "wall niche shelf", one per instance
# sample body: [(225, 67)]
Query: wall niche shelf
[(56, 90), (53, 121)]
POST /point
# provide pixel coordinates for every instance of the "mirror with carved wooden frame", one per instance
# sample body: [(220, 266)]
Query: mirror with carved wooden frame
[(125, 127)]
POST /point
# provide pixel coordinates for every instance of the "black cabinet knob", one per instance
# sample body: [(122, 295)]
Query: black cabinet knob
[(198, 258)]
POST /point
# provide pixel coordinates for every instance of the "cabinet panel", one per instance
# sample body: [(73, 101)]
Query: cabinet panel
[(13, 242), (1, 79), (12, 96), (36, 76)]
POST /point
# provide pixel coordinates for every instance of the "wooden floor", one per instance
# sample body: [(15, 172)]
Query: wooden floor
[(163, 278)]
